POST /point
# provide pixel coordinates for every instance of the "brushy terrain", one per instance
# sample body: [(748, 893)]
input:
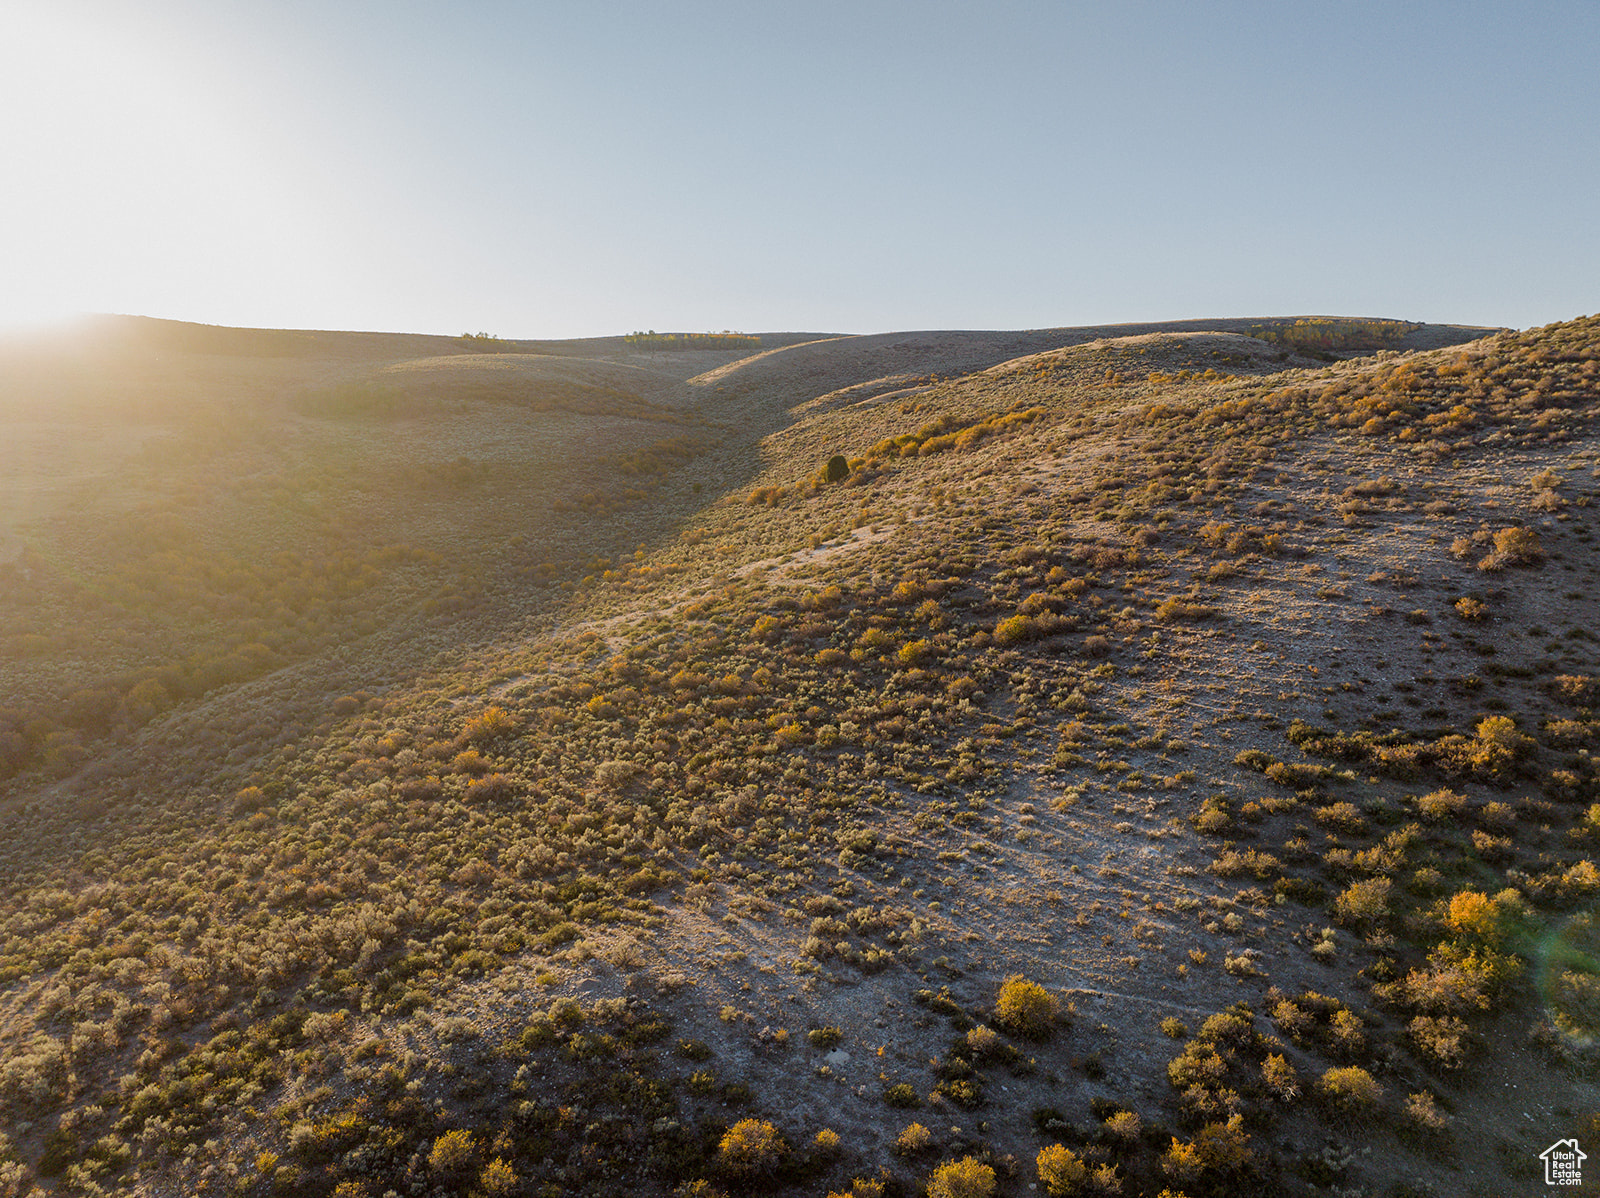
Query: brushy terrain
[(1150, 760)]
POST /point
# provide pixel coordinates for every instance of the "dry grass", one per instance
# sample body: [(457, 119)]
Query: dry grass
[(638, 845)]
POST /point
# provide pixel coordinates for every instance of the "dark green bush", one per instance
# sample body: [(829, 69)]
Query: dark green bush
[(902, 1095)]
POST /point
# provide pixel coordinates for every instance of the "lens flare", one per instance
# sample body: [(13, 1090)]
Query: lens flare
[(1569, 978)]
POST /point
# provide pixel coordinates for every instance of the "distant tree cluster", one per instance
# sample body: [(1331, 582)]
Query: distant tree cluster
[(1335, 334), (722, 340), (486, 342)]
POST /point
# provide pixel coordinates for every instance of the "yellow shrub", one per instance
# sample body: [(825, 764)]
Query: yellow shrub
[(452, 1152), (1351, 1089), (490, 724), (1423, 1110), (1026, 1008), (1224, 1146), (1513, 547), (750, 1146), (1477, 915), (1013, 630), (1442, 804), (498, 1178), (1061, 1170), (966, 1178), (860, 1187), (1218, 1148), (1499, 744), (1364, 902), (913, 1138), (1280, 1077), (1441, 1040)]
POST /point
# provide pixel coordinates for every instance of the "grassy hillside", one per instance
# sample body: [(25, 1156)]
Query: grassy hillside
[(1161, 763)]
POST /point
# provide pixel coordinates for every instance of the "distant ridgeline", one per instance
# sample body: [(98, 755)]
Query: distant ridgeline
[(722, 340), (1335, 334)]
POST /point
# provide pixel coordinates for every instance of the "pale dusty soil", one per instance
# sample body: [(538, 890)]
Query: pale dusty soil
[(1066, 890)]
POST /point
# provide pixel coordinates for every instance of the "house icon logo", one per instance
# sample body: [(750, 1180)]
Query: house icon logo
[(1563, 1163)]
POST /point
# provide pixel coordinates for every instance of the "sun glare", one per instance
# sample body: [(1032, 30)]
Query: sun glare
[(137, 180)]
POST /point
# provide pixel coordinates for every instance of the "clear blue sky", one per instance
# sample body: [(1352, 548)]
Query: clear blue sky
[(571, 169)]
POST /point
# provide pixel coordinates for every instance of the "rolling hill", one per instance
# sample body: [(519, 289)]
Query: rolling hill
[(1157, 761)]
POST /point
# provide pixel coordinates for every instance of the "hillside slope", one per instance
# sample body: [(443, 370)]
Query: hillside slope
[(1235, 704)]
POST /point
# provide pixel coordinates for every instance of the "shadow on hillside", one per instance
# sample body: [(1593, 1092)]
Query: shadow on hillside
[(187, 764)]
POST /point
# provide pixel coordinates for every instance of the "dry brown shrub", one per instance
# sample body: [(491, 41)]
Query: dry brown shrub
[(1440, 1039), (1514, 546)]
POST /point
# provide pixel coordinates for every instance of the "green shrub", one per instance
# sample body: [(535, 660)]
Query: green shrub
[(1013, 630), (1458, 979), (1198, 1065), (837, 469), (902, 1095), (1364, 902), (963, 1091), (1234, 1027)]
